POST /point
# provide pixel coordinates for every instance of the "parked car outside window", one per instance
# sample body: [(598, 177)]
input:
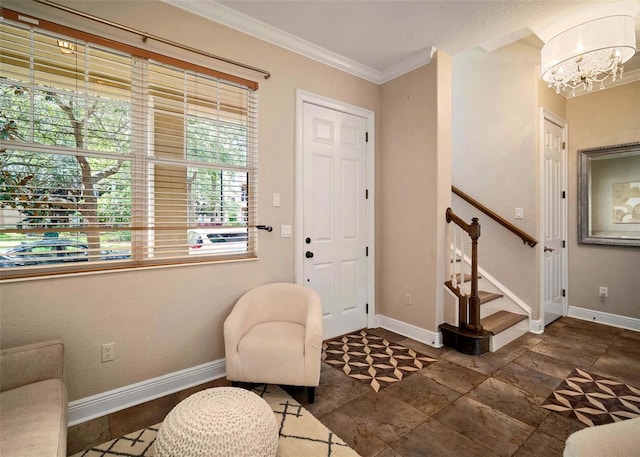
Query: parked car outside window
[(52, 250), (231, 240)]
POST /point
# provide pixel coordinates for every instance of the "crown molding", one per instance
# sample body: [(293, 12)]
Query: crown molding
[(405, 66), (505, 40), (209, 9)]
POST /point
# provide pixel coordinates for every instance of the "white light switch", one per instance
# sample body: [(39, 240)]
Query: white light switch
[(276, 199), (285, 231), (519, 213)]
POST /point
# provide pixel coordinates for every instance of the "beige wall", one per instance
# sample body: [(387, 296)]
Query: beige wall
[(494, 157), (602, 118), (548, 99), (415, 164), (169, 319)]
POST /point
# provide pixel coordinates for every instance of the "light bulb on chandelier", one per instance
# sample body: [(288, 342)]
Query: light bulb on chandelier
[(588, 54)]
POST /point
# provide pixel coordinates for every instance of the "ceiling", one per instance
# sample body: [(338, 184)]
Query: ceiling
[(382, 39)]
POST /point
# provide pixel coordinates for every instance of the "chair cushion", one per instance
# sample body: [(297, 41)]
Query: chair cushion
[(620, 439), (33, 420), (273, 352)]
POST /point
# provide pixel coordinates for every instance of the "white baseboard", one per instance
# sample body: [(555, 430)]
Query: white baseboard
[(411, 331), (614, 320), (111, 401), (536, 327)]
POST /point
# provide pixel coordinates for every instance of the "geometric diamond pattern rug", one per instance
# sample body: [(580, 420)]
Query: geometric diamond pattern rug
[(372, 359), (300, 434), (593, 399)]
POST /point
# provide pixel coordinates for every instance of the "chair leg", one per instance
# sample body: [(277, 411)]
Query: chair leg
[(311, 394)]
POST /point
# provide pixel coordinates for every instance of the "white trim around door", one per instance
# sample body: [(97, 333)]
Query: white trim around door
[(548, 116), (303, 97)]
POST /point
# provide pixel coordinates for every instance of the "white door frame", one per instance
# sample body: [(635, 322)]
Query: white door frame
[(546, 115), (307, 97)]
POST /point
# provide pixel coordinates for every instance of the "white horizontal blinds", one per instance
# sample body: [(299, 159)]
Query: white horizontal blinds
[(201, 162), (119, 158), (68, 170)]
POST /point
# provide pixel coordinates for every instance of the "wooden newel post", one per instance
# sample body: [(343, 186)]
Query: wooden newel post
[(474, 300)]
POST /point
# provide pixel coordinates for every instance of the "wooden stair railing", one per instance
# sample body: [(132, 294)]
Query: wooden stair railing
[(469, 305), (524, 236)]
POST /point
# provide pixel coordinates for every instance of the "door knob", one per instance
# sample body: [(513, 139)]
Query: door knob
[(308, 254), (546, 249)]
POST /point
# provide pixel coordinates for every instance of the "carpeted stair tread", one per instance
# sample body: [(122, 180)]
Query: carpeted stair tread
[(500, 321)]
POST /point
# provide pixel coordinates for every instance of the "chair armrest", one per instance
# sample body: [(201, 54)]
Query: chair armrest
[(313, 332), (24, 365)]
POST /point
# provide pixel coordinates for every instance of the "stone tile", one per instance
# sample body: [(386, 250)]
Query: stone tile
[(633, 334), (424, 348), (559, 426), (388, 452), (88, 434), (533, 381), (622, 366), (386, 334), (626, 343), (383, 415), (522, 344), (584, 331), (423, 393), (434, 439), (318, 408), (498, 432), (545, 364), (567, 349), (541, 444), (131, 419), (488, 363), (452, 375), (510, 400), (340, 388), (358, 437)]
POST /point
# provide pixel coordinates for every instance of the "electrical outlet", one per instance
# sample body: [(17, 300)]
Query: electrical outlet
[(407, 298), (108, 352), (604, 292)]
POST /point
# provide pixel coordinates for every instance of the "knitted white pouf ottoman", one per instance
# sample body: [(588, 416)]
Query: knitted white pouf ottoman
[(219, 422)]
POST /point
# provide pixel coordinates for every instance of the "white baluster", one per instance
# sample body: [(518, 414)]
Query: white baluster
[(449, 253), (454, 281)]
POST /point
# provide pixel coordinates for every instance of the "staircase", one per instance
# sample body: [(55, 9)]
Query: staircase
[(480, 314)]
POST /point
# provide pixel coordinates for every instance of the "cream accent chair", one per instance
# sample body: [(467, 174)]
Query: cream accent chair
[(274, 336)]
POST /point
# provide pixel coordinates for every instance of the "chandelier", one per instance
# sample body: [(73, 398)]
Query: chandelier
[(589, 54)]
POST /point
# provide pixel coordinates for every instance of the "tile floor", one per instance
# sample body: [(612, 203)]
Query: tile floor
[(460, 405)]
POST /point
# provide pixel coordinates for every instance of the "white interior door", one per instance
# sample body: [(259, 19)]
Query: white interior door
[(554, 221), (334, 233)]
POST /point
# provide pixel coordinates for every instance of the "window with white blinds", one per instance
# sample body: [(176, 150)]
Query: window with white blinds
[(111, 160)]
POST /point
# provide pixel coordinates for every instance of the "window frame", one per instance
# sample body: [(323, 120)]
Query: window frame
[(141, 161)]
